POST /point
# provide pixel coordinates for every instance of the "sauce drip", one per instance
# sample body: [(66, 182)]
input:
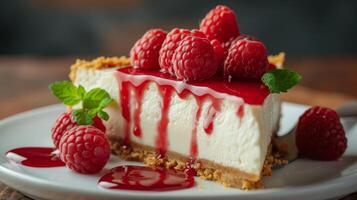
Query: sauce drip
[(208, 122), (137, 111), (125, 109), (166, 93), (41, 157), (240, 112), (144, 178)]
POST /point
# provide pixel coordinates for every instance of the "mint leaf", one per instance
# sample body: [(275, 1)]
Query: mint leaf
[(93, 102), (66, 92), (280, 80), (93, 112), (81, 91), (105, 102), (82, 117), (93, 98), (103, 115)]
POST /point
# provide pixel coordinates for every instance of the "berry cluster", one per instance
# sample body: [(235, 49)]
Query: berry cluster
[(217, 48), (194, 55), (83, 148)]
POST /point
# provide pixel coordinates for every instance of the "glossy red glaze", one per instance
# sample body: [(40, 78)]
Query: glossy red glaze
[(252, 92), (35, 157), (144, 178)]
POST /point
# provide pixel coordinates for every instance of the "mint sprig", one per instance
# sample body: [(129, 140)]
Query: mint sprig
[(93, 101), (280, 80), (68, 93)]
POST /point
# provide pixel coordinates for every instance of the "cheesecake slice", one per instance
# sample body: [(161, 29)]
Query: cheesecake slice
[(220, 130)]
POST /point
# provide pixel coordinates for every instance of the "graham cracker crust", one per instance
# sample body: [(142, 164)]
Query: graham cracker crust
[(278, 60), (205, 169), (98, 63)]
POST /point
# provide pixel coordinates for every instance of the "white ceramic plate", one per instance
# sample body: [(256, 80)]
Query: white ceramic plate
[(302, 179)]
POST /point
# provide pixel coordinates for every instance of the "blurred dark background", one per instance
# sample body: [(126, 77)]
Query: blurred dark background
[(110, 27), (40, 39)]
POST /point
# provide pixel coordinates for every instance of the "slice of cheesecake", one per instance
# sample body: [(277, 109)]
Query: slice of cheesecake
[(221, 130)]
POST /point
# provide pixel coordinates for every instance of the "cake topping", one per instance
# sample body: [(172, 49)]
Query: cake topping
[(220, 23), (145, 52), (280, 80), (246, 59), (226, 45), (170, 44), (194, 59), (84, 149), (320, 135), (93, 101), (218, 50), (252, 92)]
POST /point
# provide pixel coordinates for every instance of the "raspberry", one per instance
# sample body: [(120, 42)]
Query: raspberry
[(246, 59), (226, 45), (218, 50), (194, 59), (220, 23), (246, 37), (63, 123), (98, 123), (84, 149), (145, 52), (171, 43), (66, 122), (320, 135), (271, 67)]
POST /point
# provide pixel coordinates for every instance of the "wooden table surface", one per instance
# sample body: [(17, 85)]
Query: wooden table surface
[(327, 81)]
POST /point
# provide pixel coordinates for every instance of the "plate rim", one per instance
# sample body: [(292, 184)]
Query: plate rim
[(327, 189)]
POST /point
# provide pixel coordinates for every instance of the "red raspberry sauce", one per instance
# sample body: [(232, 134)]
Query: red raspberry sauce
[(41, 157), (143, 178), (135, 81), (122, 177)]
